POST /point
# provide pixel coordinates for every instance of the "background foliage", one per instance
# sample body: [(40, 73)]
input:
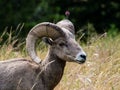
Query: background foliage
[(102, 69), (102, 14)]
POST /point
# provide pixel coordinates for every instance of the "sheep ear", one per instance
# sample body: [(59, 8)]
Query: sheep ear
[(47, 40)]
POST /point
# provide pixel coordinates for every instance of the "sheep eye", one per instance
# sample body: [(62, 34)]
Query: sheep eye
[(62, 44)]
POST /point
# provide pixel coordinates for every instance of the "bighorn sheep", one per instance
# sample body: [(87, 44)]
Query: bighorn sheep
[(22, 74)]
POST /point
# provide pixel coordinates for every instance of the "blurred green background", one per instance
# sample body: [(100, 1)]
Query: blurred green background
[(102, 15)]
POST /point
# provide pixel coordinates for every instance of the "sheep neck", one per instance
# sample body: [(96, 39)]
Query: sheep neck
[(53, 70)]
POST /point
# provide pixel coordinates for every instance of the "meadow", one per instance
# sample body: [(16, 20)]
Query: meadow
[(100, 72)]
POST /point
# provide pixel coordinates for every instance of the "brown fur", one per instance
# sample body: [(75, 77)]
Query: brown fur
[(24, 74)]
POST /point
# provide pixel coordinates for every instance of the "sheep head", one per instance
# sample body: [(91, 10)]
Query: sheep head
[(61, 38)]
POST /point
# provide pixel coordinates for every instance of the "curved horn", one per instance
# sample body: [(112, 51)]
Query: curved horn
[(45, 29), (67, 24)]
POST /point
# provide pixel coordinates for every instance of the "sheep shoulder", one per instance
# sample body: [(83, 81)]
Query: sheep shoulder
[(18, 73)]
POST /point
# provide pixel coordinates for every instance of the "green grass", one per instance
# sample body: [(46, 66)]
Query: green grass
[(100, 72)]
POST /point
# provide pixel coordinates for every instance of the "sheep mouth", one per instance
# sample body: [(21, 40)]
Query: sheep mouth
[(80, 62), (73, 59)]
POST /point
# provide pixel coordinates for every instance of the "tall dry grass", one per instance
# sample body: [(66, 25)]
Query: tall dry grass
[(100, 72)]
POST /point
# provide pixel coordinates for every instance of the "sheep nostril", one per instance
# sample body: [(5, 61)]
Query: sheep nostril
[(83, 56)]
